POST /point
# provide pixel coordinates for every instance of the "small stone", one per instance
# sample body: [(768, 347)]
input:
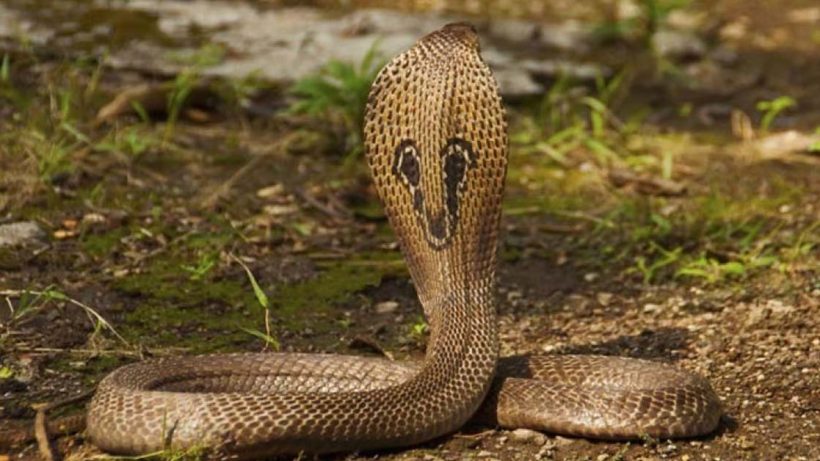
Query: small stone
[(650, 307), (279, 210), (590, 277), (93, 218), (674, 43), (604, 298), (670, 448), (63, 234), (528, 436), (270, 191), (386, 307), (562, 441), (19, 233), (745, 443)]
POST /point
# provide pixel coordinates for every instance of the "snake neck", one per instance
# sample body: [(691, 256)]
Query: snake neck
[(461, 316)]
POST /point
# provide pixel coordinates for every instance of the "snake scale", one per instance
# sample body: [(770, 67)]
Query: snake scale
[(436, 142)]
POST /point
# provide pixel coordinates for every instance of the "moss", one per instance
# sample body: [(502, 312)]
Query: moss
[(210, 314), (337, 283), (100, 245)]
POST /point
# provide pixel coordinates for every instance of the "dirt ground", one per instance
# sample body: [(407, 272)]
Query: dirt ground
[(145, 227)]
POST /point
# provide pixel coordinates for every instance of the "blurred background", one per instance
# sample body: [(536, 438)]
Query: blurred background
[(187, 177)]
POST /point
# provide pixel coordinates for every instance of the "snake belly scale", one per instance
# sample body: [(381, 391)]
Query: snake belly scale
[(436, 142)]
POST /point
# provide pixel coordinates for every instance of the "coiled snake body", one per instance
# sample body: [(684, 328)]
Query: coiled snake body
[(435, 137)]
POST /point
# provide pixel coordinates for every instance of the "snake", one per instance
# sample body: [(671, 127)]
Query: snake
[(435, 135)]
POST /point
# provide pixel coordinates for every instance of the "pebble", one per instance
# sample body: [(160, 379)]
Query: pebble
[(590, 277), (270, 191), (745, 443), (561, 441), (93, 218), (386, 307), (604, 298), (650, 307), (20, 233), (528, 436)]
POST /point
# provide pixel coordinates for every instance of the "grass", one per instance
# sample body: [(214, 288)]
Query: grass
[(338, 93), (710, 237), (650, 18), (33, 301), (264, 303), (771, 109)]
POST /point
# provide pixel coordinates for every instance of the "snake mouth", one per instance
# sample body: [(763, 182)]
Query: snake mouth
[(456, 158)]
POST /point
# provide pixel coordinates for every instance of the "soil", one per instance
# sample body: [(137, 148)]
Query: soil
[(150, 243)]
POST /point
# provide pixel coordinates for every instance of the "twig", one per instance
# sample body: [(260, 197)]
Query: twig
[(645, 184), (94, 352), (341, 215), (41, 427), (223, 189), (41, 434)]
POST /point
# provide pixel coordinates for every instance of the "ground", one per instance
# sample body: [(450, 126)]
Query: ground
[(656, 214)]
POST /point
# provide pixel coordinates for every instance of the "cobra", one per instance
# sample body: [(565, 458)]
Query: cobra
[(436, 142)]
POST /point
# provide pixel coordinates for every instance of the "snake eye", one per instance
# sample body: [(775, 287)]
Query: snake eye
[(406, 164)]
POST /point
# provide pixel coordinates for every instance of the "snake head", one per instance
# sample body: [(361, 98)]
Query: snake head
[(435, 139)]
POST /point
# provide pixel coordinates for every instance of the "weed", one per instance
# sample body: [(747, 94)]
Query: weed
[(195, 453), (183, 85), (418, 329), (132, 141), (5, 69), (208, 55), (204, 265), (649, 270), (711, 270), (814, 147), (264, 302), (771, 109), (569, 118), (339, 93), (639, 27), (6, 372), (52, 156), (32, 301)]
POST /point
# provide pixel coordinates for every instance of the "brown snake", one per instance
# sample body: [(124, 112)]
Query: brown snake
[(436, 141)]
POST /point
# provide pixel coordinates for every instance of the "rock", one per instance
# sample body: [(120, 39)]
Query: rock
[(604, 298), (568, 35), (528, 436), (745, 443), (386, 307), (787, 142), (563, 441), (651, 307), (270, 191), (678, 44), (93, 218), (20, 233), (555, 67), (515, 30), (287, 44)]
